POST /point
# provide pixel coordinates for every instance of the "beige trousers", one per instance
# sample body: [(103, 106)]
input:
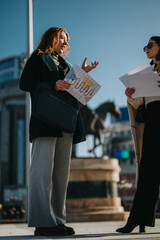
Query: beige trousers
[(48, 180)]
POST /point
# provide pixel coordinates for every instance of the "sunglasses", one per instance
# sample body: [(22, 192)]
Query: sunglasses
[(149, 46)]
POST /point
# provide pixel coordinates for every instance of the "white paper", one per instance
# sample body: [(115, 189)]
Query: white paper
[(83, 87), (146, 86), (143, 79), (142, 69)]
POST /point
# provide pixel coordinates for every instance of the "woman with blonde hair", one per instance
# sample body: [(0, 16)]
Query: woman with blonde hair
[(51, 147)]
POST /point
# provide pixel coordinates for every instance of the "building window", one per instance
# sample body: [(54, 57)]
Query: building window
[(20, 153), (123, 147), (7, 64), (122, 134), (6, 76), (129, 133)]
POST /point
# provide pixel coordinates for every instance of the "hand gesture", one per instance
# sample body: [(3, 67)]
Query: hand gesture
[(62, 85), (88, 68), (129, 92)]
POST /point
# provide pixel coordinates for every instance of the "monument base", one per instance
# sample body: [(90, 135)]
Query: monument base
[(92, 192), (95, 209)]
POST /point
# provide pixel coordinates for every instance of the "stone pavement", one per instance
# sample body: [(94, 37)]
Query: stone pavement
[(84, 231)]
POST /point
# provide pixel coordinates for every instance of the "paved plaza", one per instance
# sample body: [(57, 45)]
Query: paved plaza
[(84, 231)]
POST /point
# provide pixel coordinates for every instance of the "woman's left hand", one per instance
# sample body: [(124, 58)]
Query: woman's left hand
[(88, 68)]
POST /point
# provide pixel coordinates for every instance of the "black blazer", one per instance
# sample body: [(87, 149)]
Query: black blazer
[(42, 68)]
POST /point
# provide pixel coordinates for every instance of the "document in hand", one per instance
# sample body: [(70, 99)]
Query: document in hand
[(144, 80), (83, 87)]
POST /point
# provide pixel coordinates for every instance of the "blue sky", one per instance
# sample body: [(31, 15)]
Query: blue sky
[(112, 32)]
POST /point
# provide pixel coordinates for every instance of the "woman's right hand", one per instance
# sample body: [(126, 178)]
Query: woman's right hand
[(62, 85), (129, 92)]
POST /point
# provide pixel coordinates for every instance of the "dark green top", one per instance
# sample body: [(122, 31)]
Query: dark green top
[(45, 68)]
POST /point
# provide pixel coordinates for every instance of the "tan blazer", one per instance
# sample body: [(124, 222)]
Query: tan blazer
[(137, 130)]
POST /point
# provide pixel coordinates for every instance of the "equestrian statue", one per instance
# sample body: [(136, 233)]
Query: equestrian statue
[(94, 120)]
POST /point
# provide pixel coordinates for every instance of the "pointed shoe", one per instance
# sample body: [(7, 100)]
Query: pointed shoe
[(129, 227)]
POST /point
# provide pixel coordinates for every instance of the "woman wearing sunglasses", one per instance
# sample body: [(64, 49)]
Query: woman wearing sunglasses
[(147, 152)]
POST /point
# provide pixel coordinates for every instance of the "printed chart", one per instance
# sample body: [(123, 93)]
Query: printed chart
[(83, 87)]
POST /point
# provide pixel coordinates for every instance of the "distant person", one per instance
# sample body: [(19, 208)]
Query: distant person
[(146, 138), (51, 147)]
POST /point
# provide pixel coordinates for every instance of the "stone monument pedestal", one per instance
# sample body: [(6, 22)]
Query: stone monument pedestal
[(92, 191)]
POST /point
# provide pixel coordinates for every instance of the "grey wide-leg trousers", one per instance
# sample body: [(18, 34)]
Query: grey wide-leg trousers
[(48, 180)]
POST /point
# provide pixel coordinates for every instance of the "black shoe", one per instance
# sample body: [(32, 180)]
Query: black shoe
[(130, 226), (50, 231), (70, 230)]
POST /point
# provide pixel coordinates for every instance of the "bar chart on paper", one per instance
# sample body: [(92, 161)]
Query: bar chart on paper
[(83, 87)]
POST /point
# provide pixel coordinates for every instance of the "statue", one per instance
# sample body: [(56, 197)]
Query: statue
[(94, 120)]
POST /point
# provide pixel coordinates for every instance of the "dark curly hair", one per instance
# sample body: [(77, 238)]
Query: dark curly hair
[(156, 39)]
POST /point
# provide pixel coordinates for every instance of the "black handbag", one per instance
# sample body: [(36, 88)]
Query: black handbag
[(141, 112), (50, 107)]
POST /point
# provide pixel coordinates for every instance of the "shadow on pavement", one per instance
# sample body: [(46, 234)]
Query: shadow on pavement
[(77, 236), (11, 237), (81, 236)]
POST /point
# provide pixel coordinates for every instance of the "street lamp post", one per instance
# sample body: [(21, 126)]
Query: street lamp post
[(30, 27), (29, 51)]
